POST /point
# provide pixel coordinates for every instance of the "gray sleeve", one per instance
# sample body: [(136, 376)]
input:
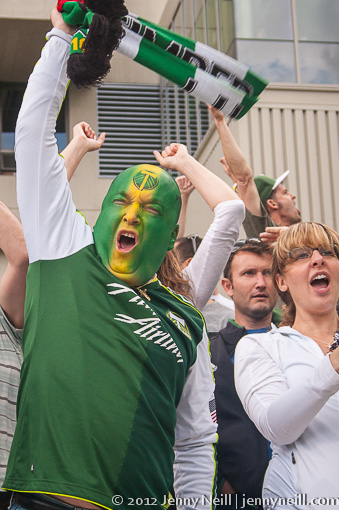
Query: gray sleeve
[(14, 334), (254, 225)]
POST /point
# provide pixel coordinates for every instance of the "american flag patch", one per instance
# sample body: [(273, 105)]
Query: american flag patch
[(213, 410)]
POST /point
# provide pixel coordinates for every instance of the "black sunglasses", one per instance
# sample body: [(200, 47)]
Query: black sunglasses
[(193, 239), (241, 242)]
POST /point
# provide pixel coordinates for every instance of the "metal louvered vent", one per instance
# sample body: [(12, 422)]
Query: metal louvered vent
[(140, 118), (130, 116), (185, 119)]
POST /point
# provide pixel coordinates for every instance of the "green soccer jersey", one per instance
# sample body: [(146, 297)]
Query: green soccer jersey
[(103, 374)]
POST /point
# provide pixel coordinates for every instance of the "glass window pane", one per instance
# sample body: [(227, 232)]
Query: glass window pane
[(177, 22), (273, 60), (263, 19), (189, 23), (318, 20), (199, 21), (7, 140), (319, 62), (10, 103), (211, 14), (226, 24)]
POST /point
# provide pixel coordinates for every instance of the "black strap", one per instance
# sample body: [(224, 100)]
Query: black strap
[(5, 498), (40, 502)]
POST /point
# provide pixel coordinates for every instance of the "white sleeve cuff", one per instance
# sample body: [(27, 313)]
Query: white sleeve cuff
[(59, 33)]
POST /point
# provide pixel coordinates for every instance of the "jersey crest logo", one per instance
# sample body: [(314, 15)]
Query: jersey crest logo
[(180, 323), (145, 179)]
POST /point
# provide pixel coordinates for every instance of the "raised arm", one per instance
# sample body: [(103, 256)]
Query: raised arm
[(213, 189), (205, 268), (44, 196), (237, 166), (281, 413), (13, 281), (84, 140), (186, 188)]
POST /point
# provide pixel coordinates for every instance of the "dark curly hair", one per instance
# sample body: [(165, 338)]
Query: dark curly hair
[(104, 36)]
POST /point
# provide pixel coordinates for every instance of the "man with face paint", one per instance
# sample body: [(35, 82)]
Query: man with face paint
[(116, 384), (138, 223)]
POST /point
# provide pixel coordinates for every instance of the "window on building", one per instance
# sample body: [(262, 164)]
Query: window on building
[(212, 22), (199, 20), (291, 41), (10, 102), (189, 19), (226, 26), (321, 22), (263, 19), (275, 61), (318, 40)]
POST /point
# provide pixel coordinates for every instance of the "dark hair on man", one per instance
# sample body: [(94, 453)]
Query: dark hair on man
[(271, 197), (249, 246), (186, 247)]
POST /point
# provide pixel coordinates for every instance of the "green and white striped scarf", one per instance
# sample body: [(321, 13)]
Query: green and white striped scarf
[(206, 73)]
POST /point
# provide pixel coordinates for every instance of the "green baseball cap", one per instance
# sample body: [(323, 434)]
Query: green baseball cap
[(266, 185)]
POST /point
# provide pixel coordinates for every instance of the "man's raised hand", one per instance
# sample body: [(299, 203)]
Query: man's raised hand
[(86, 135), (58, 22), (173, 156)]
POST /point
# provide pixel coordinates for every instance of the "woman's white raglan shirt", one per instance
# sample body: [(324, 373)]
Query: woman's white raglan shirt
[(289, 389)]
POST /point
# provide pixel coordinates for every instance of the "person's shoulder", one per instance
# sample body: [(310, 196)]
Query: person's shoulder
[(168, 291), (263, 214), (224, 301), (230, 207), (268, 341), (177, 300), (255, 340), (11, 332)]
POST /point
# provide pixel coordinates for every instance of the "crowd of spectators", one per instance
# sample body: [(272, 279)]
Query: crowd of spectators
[(116, 397)]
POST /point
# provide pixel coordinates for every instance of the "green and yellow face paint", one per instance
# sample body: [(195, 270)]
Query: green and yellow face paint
[(138, 223)]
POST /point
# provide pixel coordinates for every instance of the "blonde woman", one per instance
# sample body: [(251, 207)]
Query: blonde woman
[(288, 378)]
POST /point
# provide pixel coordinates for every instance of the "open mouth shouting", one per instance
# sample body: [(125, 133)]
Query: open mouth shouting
[(126, 241), (320, 282)]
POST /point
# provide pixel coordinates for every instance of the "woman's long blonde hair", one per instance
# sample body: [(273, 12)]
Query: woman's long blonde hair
[(301, 234)]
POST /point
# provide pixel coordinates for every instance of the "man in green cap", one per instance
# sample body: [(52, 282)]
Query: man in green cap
[(267, 200), (116, 384)]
